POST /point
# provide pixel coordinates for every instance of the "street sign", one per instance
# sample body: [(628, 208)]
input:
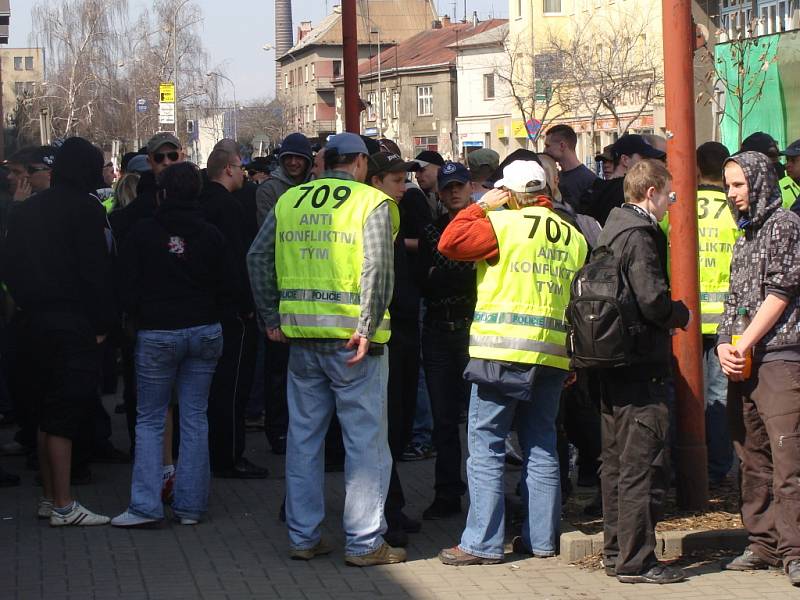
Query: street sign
[(141, 105), (167, 92), (166, 113)]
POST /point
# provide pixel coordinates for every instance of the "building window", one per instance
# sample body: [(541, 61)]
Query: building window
[(552, 7), (424, 100), (337, 68), (371, 104), (488, 86), (735, 16), (396, 105), (426, 142), (18, 63), (29, 63), (313, 71), (315, 111), (775, 16), (23, 88), (286, 81), (306, 74)]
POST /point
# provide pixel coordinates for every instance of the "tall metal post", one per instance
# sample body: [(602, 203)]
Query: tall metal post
[(352, 102), (691, 457)]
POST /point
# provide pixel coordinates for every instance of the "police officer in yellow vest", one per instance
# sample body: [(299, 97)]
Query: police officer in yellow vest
[(526, 259), (791, 183), (717, 234), (321, 270)]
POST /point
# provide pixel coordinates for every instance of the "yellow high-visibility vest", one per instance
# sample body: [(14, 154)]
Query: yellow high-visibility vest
[(790, 191), (717, 233), (319, 255), (519, 316)]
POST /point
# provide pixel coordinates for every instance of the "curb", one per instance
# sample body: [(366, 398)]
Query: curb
[(576, 545)]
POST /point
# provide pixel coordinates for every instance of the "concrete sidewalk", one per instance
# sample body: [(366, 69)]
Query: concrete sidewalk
[(240, 552)]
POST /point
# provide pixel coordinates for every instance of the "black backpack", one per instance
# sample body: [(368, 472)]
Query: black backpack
[(603, 320)]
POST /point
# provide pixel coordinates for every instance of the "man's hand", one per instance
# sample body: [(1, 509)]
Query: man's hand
[(276, 335), (496, 197), (731, 361), (362, 346), (23, 190)]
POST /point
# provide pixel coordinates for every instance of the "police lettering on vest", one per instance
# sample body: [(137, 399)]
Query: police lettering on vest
[(717, 233), (319, 255), (519, 316), (790, 191)]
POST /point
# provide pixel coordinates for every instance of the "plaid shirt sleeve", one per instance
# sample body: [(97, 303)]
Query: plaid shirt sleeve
[(263, 276), (377, 274)]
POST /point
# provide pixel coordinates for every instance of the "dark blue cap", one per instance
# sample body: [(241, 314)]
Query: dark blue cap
[(450, 172)]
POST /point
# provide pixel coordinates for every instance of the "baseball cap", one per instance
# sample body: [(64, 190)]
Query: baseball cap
[(385, 162), (606, 154), (44, 155), (160, 139), (483, 159), (260, 164), (631, 143), (792, 149), (347, 143), (759, 142), (523, 176), (138, 164), (451, 172), (429, 157)]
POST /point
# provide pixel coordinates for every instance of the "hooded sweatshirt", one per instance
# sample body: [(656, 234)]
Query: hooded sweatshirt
[(766, 260), (57, 255), (642, 247), (272, 189)]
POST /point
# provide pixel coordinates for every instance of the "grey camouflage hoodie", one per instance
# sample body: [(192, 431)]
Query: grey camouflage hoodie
[(273, 188), (766, 260)]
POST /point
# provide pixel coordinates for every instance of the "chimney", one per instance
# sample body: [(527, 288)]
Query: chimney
[(436, 24), (304, 29), (475, 20), (283, 35), (446, 21)]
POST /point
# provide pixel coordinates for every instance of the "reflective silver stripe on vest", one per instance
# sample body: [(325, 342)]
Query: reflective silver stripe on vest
[(339, 321), (495, 341), (331, 296), (712, 319), (519, 319), (713, 296)]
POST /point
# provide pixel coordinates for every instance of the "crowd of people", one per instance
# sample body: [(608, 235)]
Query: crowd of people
[(362, 318)]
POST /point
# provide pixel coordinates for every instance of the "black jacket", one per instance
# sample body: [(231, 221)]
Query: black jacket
[(57, 254), (143, 207), (222, 209), (174, 270), (601, 197), (642, 247)]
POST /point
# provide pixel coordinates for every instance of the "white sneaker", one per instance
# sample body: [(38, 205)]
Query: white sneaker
[(188, 521), (130, 520), (45, 508), (79, 516)]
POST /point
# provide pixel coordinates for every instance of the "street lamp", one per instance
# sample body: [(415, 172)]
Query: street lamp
[(175, 58), (235, 109), (266, 48)]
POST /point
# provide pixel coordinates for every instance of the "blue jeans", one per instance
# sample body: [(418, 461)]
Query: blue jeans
[(320, 383), (718, 437), (183, 359), (490, 418)]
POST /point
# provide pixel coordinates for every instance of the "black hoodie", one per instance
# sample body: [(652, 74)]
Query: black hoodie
[(642, 247), (57, 255)]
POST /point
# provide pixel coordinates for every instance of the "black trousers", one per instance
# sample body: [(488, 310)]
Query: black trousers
[(230, 389), (445, 354), (579, 424), (276, 411), (403, 350), (635, 468), (22, 376)]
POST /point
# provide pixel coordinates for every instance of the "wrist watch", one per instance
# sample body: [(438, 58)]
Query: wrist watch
[(484, 207)]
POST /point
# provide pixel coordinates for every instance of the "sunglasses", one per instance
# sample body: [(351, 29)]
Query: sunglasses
[(160, 156), (33, 170)]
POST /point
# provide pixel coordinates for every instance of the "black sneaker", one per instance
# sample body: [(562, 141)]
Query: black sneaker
[(396, 537), (747, 561), (659, 573), (441, 508), (793, 571)]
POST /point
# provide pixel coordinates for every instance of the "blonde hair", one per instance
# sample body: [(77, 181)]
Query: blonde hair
[(644, 175), (125, 190), (551, 171)]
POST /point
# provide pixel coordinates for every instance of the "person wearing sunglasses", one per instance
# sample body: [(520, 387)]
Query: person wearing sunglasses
[(29, 171)]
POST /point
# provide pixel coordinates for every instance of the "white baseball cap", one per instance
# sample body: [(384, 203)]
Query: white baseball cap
[(523, 176)]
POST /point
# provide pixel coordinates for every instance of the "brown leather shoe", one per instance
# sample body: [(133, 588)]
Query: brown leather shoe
[(384, 555), (456, 557), (320, 549)]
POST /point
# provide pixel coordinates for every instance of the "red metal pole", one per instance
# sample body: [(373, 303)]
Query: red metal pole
[(352, 102), (690, 458)]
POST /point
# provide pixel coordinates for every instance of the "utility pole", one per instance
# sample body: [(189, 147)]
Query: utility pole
[(352, 102), (691, 457), (175, 59)]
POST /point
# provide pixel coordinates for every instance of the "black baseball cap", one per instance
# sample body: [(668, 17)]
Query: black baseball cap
[(631, 143), (792, 149), (386, 162), (429, 157), (451, 172), (759, 142), (260, 164)]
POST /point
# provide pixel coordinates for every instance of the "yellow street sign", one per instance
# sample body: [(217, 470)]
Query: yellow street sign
[(167, 92)]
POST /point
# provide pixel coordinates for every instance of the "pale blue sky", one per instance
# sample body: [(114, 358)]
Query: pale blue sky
[(235, 31)]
